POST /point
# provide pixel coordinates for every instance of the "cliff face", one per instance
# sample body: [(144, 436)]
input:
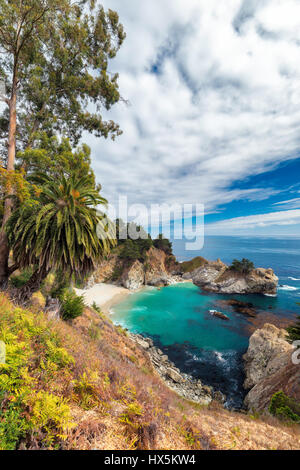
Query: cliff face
[(269, 367), (218, 277), (157, 270)]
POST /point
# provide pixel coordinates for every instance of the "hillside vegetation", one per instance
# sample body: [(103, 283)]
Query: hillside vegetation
[(86, 385)]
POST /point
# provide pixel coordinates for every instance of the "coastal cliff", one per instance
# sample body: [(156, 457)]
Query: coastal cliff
[(216, 276), (157, 269), (269, 368)]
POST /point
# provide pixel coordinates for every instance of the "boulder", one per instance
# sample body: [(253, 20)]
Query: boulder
[(265, 354), (220, 315), (269, 368), (174, 375)]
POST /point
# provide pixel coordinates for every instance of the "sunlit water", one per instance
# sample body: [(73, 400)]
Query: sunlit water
[(179, 321)]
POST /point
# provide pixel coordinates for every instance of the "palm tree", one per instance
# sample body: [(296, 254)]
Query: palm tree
[(60, 229)]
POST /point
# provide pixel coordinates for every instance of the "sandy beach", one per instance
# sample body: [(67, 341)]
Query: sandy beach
[(104, 295)]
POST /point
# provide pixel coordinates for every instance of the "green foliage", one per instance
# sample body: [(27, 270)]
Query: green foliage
[(33, 356), (60, 284), (294, 331), (55, 157), (96, 307), (131, 413), (163, 244), (61, 229), (94, 331), (244, 266), (72, 304), (21, 279), (135, 249), (85, 389), (195, 263), (60, 53), (117, 273), (284, 407)]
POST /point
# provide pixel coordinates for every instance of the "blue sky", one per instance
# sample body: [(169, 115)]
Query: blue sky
[(214, 114)]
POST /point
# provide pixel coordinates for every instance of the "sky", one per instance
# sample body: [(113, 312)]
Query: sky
[(213, 115)]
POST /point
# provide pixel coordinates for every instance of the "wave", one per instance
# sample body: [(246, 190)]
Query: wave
[(294, 279), (291, 288), (139, 309)]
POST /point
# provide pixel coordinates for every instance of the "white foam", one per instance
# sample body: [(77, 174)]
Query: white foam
[(294, 279), (291, 288), (219, 356)]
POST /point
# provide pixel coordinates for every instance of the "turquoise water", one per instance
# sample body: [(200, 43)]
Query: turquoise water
[(178, 319)]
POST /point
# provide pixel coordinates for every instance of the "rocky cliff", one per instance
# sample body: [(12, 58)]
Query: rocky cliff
[(159, 269), (216, 276), (269, 367)]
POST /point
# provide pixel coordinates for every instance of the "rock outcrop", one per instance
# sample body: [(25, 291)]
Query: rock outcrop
[(269, 367), (133, 277), (157, 274), (183, 384), (266, 354), (158, 270), (218, 277)]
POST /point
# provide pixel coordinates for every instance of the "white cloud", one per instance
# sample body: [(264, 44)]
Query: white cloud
[(289, 204), (224, 104), (290, 217)]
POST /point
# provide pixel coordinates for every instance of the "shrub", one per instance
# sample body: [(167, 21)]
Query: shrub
[(244, 266), (72, 304), (60, 284), (294, 331), (284, 407), (195, 263), (96, 307), (21, 279), (163, 244), (34, 354), (38, 300)]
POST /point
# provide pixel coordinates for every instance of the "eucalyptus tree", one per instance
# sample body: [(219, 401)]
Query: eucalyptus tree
[(54, 58)]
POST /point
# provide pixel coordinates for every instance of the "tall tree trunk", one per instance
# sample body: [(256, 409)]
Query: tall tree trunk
[(4, 248), (24, 293)]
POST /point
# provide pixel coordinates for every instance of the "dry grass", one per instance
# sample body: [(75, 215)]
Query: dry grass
[(119, 402)]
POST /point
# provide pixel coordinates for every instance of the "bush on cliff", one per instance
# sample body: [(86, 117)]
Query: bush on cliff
[(284, 407), (163, 244), (294, 331), (72, 305), (245, 266), (195, 263)]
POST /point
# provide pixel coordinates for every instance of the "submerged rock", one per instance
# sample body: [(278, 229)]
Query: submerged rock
[(246, 308), (220, 315)]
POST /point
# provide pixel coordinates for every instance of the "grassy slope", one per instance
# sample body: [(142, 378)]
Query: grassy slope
[(87, 386), (195, 263)]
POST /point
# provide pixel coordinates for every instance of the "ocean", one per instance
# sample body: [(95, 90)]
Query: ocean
[(178, 317)]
